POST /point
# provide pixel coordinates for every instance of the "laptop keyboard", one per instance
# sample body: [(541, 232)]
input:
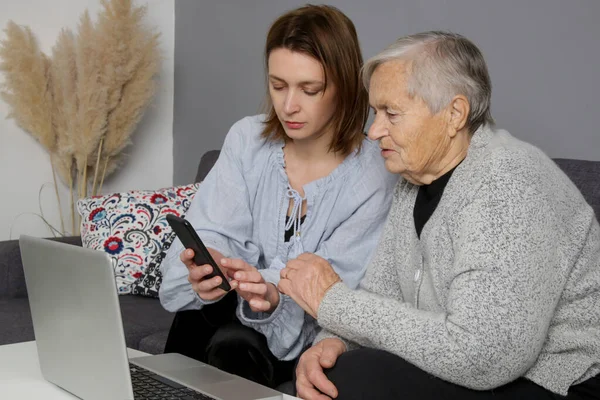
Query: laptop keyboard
[(149, 386)]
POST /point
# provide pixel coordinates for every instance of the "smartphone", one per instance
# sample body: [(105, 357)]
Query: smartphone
[(190, 240)]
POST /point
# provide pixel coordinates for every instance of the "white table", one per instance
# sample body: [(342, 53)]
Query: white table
[(21, 378)]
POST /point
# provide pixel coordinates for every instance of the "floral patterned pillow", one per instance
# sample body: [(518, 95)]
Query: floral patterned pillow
[(132, 227), (148, 284)]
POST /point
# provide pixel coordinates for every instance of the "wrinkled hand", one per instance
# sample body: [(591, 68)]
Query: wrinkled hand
[(306, 279), (260, 295), (206, 288), (311, 382)]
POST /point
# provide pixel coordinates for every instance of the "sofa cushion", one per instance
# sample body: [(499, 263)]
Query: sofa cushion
[(15, 320), (132, 227), (155, 343), (142, 317), (12, 278), (586, 176)]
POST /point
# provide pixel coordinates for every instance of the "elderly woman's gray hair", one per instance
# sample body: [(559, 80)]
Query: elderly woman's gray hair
[(442, 65)]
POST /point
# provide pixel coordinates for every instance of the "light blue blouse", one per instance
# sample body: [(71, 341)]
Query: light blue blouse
[(240, 210)]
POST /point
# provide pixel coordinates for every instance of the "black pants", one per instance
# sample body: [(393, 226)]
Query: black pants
[(215, 336), (376, 374)]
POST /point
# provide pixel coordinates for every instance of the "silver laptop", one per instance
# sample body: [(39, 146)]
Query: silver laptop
[(80, 340)]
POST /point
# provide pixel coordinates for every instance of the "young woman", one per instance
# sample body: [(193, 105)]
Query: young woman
[(301, 179)]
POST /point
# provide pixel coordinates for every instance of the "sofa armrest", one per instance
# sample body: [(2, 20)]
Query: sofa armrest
[(12, 279), (207, 161)]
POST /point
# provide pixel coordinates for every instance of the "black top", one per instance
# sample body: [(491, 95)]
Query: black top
[(290, 232), (427, 200)]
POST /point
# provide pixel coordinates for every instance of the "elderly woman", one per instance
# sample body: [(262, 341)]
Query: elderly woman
[(486, 281)]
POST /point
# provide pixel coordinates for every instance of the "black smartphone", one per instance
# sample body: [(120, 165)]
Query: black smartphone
[(190, 240)]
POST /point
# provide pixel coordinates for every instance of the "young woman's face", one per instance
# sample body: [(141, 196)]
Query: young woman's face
[(297, 89)]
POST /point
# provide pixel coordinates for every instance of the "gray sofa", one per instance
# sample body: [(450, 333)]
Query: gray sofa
[(146, 322)]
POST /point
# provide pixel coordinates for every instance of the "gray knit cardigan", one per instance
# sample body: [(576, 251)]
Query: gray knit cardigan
[(503, 283)]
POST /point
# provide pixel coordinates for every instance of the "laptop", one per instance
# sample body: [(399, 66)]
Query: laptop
[(80, 339)]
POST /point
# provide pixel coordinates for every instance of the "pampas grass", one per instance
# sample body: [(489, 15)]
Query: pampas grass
[(136, 95), (92, 96), (63, 72), (132, 62), (84, 103), (26, 85)]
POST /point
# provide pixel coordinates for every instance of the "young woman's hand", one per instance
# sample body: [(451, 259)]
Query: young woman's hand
[(260, 295), (207, 289)]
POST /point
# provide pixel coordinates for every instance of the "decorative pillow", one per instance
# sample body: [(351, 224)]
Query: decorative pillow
[(149, 283), (132, 227)]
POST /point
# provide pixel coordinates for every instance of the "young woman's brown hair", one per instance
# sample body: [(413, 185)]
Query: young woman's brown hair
[(326, 34)]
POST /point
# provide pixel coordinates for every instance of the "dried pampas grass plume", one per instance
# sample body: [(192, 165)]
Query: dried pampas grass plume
[(92, 97), (63, 74), (65, 105), (27, 89), (26, 85), (136, 95), (131, 60)]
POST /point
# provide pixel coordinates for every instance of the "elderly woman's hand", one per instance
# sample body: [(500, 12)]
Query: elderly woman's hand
[(306, 279), (311, 381)]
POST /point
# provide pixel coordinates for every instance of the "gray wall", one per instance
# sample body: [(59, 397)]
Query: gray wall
[(543, 57)]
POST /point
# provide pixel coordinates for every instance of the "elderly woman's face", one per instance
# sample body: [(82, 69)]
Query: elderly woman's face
[(412, 139)]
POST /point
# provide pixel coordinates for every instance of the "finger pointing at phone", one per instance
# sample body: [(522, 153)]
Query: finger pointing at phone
[(252, 287)]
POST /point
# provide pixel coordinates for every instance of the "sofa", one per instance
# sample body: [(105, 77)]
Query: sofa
[(145, 322)]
